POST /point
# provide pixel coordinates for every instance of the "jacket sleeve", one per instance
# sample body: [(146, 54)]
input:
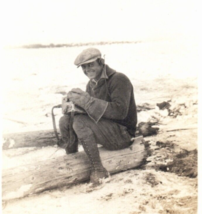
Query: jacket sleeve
[(95, 108), (120, 90)]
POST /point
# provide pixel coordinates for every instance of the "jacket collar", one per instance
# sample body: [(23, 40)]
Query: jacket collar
[(109, 71), (106, 73)]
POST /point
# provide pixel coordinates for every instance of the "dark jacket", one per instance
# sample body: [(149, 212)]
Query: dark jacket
[(113, 98)]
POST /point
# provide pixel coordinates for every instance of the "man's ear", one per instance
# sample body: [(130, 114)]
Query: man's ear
[(100, 61)]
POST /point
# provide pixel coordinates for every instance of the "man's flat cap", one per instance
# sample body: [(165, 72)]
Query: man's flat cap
[(87, 56)]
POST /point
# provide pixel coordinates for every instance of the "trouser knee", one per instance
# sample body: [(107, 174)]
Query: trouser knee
[(81, 126), (78, 123)]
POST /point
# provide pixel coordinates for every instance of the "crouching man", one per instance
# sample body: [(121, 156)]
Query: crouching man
[(109, 108)]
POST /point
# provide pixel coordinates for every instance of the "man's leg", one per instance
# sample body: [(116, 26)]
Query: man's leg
[(107, 133), (70, 145)]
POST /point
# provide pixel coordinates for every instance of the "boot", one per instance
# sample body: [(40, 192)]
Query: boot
[(68, 148), (73, 148), (97, 170), (97, 175)]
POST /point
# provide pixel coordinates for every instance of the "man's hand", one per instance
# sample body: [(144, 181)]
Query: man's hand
[(66, 106), (78, 97)]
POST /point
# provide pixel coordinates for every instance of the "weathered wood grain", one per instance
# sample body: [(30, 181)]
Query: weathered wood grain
[(66, 170), (29, 139)]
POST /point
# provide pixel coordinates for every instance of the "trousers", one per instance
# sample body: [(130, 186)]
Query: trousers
[(111, 135)]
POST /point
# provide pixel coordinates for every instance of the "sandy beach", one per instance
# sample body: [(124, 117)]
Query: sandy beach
[(160, 71)]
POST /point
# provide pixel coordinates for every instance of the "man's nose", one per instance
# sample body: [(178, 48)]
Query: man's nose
[(88, 70)]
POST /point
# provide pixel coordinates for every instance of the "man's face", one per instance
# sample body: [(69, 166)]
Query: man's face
[(93, 70)]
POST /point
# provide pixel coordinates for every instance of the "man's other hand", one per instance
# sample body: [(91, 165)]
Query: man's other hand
[(78, 97), (66, 106)]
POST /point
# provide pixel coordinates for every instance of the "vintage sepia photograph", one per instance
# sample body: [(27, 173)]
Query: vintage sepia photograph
[(99, 107)]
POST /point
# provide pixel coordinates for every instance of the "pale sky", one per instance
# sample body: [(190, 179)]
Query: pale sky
[(65, 21)]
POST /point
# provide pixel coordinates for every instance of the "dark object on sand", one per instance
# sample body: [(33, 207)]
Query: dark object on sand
[(170, 157), (146, 129), (163, 105)]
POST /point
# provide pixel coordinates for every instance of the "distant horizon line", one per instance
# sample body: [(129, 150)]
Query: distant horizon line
[(60, 45)]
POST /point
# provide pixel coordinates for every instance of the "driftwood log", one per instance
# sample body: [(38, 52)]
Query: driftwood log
[(66, 170), (29, 139), (47, 137)]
